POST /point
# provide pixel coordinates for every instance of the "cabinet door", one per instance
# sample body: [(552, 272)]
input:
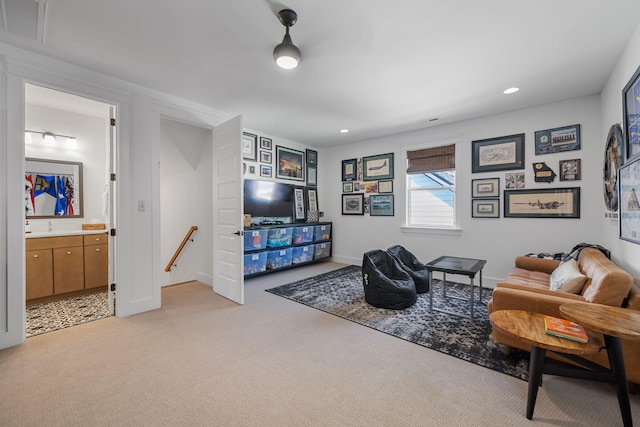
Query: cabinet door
[(39, 273), (68, 269), (96, 266)]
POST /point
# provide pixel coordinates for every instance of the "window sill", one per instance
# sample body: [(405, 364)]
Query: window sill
[(443, 231)]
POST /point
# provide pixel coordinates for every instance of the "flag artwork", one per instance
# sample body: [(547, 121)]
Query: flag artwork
[(49, 195)]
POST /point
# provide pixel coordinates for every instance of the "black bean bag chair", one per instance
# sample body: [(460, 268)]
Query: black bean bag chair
[(386, 284), (411, 265)]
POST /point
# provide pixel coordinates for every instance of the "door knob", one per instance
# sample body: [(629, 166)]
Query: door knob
[(239, 233)]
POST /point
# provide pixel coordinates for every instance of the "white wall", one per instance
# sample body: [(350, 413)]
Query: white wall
[(496, 240), (92, 148), (625, 253)]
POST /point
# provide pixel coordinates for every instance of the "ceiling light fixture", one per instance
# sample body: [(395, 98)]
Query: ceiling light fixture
[(286, 54), (344, 130), (511, 90)]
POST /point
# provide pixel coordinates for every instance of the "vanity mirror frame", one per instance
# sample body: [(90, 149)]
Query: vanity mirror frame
[(58, 168)]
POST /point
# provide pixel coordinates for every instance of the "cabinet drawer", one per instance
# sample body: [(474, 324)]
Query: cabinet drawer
[(39, 273), (96, 239), (53, 242), (68, 269)]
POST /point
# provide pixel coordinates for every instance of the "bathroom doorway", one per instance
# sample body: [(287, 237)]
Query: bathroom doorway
[(70, 157)]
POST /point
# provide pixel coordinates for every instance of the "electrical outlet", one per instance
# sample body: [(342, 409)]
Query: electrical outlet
[(142, 206)]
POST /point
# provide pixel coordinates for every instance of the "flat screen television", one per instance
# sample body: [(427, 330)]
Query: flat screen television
[(268, 198)]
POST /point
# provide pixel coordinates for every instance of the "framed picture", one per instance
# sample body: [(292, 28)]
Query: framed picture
[(488, 187), (312, 157), (381, 205), (290, 164), (249, 144), (371, 187), (631, 115), (377, 167), (385, 186), (613, 157), (252, 170), (514, 180), (497, 154), (556, 140), (485, 208), (298, 204), (569, 170), (353, 204), (629, 183), (265, 143), (349, 169), (312, 199), (265, 157), (312, 175), (347, 187), (542, 203), (265, 171)]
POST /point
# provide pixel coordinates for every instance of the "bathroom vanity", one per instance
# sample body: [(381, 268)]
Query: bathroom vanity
[(60, 265)]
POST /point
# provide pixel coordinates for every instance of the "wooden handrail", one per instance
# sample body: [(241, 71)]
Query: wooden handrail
[(184, 242)]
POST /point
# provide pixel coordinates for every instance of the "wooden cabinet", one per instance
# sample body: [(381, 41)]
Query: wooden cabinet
[(59, 265), (96, 260)]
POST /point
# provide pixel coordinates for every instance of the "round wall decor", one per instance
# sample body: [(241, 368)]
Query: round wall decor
[(612, 162)]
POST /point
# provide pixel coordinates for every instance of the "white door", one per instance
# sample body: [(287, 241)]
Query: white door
[(228, 200), (110, 207)]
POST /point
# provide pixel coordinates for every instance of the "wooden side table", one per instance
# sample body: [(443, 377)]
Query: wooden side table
[(613, 323), (528, 328)]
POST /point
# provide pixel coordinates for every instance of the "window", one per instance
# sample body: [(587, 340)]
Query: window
[(431, 187)]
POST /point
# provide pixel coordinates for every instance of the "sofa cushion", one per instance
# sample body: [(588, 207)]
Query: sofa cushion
[(537, 279), (608, 284), (567, 278)]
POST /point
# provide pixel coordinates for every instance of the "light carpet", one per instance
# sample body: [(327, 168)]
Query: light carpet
[(341, 293)]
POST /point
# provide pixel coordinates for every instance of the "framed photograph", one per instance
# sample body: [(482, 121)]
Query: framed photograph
[(514, 180), (353, 204), (377, 167), (265, 143), (371, 187), (312, 157), (312, 175), (385, 186), (485, 208), (556, 140), (312, 199), (542, 203), (498, 154), (629, 183), (249, 144), (569, 170), (349, 170), (298, 204), (613, 157), (290, 164), (631, 115), (381, 205), (347, 187), (488, 187), (265, 157), (252, 170), (266, 171)]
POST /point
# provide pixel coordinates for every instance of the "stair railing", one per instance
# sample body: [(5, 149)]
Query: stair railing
[(180, 248)]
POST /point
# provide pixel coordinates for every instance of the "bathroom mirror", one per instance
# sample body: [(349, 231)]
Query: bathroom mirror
[(53, 189)]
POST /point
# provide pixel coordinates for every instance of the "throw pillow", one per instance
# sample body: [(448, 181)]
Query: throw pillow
[(567, 278)]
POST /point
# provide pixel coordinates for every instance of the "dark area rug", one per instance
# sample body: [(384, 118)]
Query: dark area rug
[(341, 293)]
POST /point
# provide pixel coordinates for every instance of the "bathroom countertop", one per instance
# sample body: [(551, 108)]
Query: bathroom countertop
[(62, 233)]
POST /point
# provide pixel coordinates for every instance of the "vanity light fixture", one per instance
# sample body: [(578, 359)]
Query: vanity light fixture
[(286, 54), (49, 138)]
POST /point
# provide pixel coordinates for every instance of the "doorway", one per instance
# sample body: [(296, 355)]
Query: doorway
[(69, 213)]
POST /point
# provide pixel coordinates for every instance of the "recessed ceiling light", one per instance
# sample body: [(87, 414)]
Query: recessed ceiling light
[(511, 90), (344, 130)]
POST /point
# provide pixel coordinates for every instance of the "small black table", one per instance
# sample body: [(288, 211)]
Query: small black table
[(455, 265)]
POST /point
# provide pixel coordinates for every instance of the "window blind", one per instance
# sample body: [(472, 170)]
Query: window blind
[(429, 160)]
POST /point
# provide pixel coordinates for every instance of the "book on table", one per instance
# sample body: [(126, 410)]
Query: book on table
[(563, 328)]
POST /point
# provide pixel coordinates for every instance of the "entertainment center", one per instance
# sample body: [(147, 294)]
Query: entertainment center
[(272, 242)]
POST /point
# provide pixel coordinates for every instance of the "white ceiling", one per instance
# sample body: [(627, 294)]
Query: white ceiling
[(367, 65)]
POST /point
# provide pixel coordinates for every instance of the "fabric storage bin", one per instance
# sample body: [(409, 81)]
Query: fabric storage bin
[(302, 235), (278, 237), (302, 254), (322, 232), (279, 259), (255, 239), (255, 263), (322, 250)]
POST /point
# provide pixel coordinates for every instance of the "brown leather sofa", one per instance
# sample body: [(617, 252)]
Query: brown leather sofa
[(527, 288)]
